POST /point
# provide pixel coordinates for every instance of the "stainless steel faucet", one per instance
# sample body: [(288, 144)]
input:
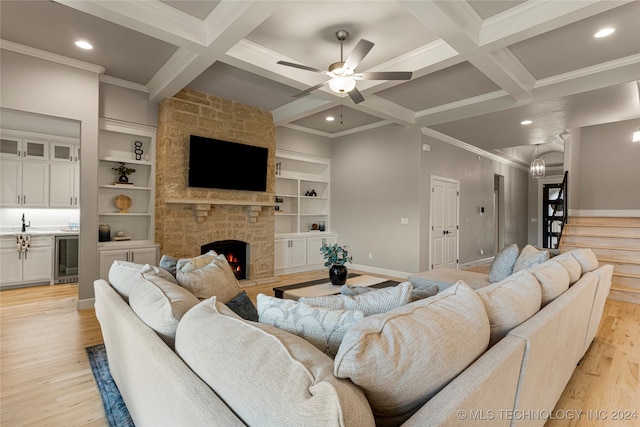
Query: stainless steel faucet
[(24, 226)]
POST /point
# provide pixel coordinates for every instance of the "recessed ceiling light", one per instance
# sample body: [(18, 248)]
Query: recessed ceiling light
[(526, 122), (330, 118), (84, 45), (604, 32)]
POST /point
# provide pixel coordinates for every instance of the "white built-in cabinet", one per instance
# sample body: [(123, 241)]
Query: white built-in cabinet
[(64, 190), (33, 266), (32, 172), (302, 207), (138, 254), (117, 143)]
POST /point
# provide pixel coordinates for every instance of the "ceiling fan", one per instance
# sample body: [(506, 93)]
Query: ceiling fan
[(343, 74)]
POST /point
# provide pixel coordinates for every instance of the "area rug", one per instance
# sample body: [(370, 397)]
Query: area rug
[(115, 410)]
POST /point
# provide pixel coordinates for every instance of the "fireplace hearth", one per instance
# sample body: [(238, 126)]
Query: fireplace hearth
[(236, 252)]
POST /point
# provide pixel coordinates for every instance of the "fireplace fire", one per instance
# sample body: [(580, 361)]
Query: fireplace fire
[(236, 252)]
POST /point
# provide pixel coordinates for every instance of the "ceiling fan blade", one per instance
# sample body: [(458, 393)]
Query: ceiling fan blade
[(357, 54), (308, 91), (302, 67), (356, 96), (385, 75)]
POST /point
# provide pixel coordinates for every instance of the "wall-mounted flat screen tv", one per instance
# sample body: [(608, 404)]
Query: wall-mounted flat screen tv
[(214, 163)]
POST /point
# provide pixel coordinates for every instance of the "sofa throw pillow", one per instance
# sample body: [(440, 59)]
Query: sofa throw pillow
[(322, 327), (502, 265), (123, 275), (405, 356), (510, 302), (419, 292), (267, 376), (586, 258), (422, 292), (189, 264), (161, 304), (553, 279), (530, 257), (168, 263), (572, 266), (373, 302), (214, 279), (242, 305)]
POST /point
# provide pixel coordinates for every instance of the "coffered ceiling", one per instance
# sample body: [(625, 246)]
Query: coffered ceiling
[(479, 67)]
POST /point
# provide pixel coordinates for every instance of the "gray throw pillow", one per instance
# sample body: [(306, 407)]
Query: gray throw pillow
[(502, 265), (530, 257), (243, 307)]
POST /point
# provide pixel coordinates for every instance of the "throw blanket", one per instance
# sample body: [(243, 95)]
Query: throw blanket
[(23, 242)]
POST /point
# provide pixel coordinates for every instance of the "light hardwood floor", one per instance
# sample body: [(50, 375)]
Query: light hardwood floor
[(45, 378)]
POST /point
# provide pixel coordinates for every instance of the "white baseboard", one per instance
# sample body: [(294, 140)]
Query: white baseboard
[(86, 304), (605, 212), (383, 271)]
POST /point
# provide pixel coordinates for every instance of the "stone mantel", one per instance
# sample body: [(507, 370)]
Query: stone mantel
[(218, 202)]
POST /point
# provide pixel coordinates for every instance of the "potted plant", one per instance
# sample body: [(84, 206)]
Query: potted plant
[(336, 257), (123, 171)]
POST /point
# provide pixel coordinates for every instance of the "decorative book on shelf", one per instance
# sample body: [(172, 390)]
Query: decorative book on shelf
[(123, 184), (120, 238)]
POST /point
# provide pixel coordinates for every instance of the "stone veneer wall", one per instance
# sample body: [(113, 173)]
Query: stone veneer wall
[(187, 218)]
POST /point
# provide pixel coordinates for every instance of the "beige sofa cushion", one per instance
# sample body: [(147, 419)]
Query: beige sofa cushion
[(510, 302), (373, 302), (530, 257), (568, 261), (123, 275), (214, 279), (161, 304), (267, 376), (553, 279), (404, 357), (586, 258), (189, 264), (322, 327)]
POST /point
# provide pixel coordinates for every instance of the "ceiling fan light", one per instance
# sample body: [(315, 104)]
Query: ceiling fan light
[(537, 168), (342, 84)]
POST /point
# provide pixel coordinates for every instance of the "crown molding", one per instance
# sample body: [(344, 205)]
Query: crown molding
[(468, 147), (123, 83), (51, 57)]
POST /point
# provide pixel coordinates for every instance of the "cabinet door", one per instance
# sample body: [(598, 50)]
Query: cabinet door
[(35, 150), (62, 153), (106, 258), (10, 266), (281, 254), (314, 257), (35, 184), (10, 147), (298, 252), (76, 185), (144, 256), (61, 185), (37, 264), (11, 185)]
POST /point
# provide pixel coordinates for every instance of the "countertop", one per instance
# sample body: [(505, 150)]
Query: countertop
[(39, 231)]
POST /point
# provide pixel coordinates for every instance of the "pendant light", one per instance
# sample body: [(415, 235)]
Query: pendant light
[(537, 166)]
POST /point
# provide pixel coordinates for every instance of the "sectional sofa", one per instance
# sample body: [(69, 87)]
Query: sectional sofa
[(499, 355)]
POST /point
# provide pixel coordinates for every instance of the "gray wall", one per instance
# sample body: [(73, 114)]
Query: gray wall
[(128, 105), (610, 167), (476, 177), (302, 142), (42, 87), (375, 181)]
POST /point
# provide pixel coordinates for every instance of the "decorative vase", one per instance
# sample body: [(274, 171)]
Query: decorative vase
[(123, 178), (104, 233), (338, 274)]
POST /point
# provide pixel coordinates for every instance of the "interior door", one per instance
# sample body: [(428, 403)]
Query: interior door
[(445, 197)]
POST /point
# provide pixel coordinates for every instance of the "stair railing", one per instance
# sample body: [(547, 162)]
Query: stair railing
[(562, 195)]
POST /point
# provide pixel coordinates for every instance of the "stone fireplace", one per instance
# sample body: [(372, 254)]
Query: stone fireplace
[(189, 218)]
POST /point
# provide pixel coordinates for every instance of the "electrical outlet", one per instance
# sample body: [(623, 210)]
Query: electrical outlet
[(404, 221)]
